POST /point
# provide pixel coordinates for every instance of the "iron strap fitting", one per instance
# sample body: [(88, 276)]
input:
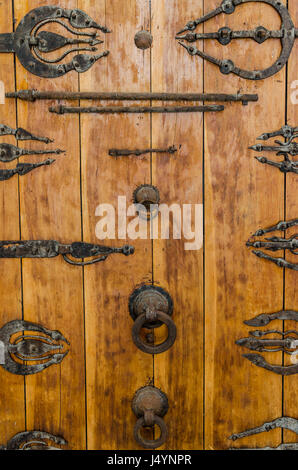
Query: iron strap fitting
[(52, 249)]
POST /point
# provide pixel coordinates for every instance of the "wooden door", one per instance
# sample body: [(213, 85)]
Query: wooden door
[(212, 390)]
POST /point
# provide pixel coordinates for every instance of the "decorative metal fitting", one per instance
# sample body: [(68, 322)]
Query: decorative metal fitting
[(137, 152), (17, 353), (52, 249), (22, 134), (290, 424), (9, 152), (277, 243), (150, 405), (287, 34), (146, 198), (23, 168), (143, 40), (60, 109), (285, 343), (266, 318), (284, 149), (34, 440), (150, 307), (33, 95), (29, 44)]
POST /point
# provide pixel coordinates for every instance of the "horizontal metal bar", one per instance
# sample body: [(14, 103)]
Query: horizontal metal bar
[(135, 110), (32, 95)]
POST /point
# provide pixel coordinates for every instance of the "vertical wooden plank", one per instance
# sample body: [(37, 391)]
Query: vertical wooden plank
[(12, 409), (115, 368), (179, 371), (240, 196), (53, 293), (291, 295)]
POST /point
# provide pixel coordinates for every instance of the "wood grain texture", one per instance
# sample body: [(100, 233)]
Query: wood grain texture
[(240, 197), (115, 367), (291, 279), (53, 290), (12, 405), (179, 372)]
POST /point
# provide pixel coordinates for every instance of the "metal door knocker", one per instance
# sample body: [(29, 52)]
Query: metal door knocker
[(150, 405), (146, 199), (34, 440), (27, 354), (287, 35), (290, 424), (284, 149), (150, 307), (276, 244), (31, 45)]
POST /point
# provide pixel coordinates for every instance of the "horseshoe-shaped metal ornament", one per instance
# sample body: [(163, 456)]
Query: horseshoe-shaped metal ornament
[(34, 440), (15, 355), (29, 44), (287, 34)]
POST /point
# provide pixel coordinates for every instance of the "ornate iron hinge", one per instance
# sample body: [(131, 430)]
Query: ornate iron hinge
[(33, 95), (290, 424), (23, 168), (29, 43), (41, 351), (277, 243), (287, 34), (9, 152), (22, 134), (34, 440), (52, 248), (285, 342), (285, 149)]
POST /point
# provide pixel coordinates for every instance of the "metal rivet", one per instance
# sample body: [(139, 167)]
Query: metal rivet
[(143, 40)]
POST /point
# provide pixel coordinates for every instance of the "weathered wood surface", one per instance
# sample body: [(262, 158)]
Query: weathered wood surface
[(53, 290), (291, 294), (241, 196), (12, 412), (213, 391), (116, 369), (179, 372)]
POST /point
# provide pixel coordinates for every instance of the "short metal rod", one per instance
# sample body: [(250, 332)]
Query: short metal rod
[(135, 110), (32, 95)]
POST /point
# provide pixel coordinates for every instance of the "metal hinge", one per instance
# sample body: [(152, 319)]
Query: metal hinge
[(276, 243), (52, 249), (290, 424), (287, 35), (30, 44), (284, 149)]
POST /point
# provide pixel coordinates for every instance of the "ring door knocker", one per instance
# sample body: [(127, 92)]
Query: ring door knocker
[(27, 354), (291, 424), (150, 405), (286, 34), (34, 440), (29, 43), (285, 341), (150, 307), (284, 149), (276, 244)]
